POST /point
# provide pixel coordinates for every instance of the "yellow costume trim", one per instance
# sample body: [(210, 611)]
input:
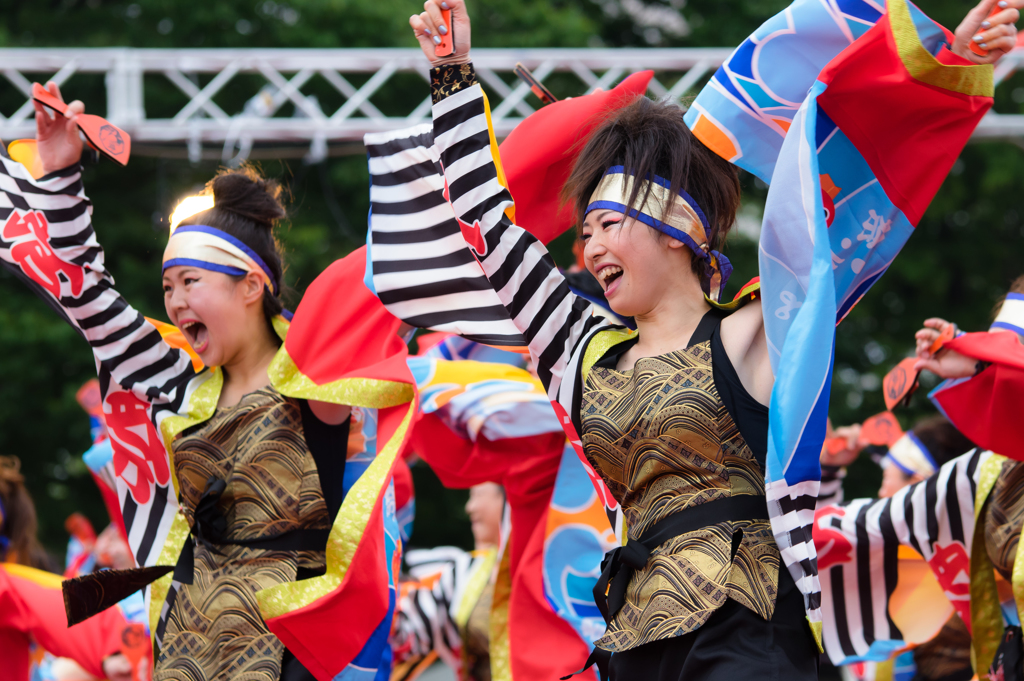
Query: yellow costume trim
[(746, 294), (176, 538), (600, 344), (986, 615), (44, 579), (510, 212), (286, 377), (815, 632), (475, 586), (348, 529), (975, 80), (501, 656)]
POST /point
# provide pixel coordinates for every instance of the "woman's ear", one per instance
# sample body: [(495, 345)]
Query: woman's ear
[(675, 243), (252, 288)]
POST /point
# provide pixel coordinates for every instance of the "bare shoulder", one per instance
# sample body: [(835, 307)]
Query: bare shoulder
[(743, 328), (747, 347)]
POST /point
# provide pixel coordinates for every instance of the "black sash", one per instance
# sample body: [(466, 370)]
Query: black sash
[(620, 564)]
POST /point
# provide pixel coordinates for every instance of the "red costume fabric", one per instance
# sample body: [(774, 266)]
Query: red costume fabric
[(986, 408), (32, 609)]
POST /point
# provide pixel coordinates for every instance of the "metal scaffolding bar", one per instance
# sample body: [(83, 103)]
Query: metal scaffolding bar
[(211, 123)]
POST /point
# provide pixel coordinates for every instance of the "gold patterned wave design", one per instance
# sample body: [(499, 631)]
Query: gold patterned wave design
[(214, 628), (663, 441)]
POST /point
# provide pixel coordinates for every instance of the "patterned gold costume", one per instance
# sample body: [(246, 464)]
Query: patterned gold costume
[(258, 448), (663, 441)]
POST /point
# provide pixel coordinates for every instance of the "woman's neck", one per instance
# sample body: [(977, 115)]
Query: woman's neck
[(669, 325), (247, 371)]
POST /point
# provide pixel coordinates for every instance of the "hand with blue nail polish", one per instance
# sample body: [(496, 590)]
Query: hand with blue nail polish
[(429, 26), (990, 27)]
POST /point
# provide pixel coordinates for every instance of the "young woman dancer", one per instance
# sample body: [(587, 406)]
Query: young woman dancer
[(260, 476), (672, 418)]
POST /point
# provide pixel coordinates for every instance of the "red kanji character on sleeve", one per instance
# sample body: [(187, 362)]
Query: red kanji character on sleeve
[(32, 252), (139, 456), (831, 545)]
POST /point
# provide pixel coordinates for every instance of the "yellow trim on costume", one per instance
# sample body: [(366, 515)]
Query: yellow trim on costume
[(47, 580), (815, 631), (975, 80), (475, 586), (496, 156), (176, 538), (501, 656), (601, 343), (348, 529), (287, 379), (986, 614), (746, 294)]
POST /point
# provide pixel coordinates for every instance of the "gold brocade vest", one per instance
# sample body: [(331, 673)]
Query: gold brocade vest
[(996, 548), (663, 441), (258, 447)]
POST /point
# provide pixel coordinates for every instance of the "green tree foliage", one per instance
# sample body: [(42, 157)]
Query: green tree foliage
[(966, 252)]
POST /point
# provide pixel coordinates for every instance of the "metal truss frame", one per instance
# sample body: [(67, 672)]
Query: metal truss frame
[(202, 128)]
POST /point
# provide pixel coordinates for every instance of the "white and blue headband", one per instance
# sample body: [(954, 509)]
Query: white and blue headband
[(911, 456), (1011, 315), (680, 218), (210, 248)]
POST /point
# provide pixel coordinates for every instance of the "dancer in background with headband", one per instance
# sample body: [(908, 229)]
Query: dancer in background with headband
[(673, 418), (31, 603), (259, 448)]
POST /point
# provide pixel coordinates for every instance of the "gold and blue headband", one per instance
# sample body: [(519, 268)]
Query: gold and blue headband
[(680, 218), (212, 249), (1011, 315), (911, 456)]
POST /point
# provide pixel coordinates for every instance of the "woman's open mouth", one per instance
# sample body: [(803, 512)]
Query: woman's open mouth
[(197, 335), (607, 276)]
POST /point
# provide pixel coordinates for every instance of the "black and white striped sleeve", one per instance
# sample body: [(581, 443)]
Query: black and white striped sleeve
[(858, 545), (536, 296), (47, 240)]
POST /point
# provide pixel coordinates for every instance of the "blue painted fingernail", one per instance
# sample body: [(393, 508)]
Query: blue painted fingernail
[(983, 46), (985, 24), (427, 31), (442, 29), (444, 5), (1004, 4), (437, 41), (977, 38)]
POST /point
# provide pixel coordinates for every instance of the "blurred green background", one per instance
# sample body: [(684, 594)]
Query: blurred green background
[(966, 252)]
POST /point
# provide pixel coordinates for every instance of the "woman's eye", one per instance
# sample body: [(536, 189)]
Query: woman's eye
[(167, 289), (190, 281), (608, 223), (584, 237)]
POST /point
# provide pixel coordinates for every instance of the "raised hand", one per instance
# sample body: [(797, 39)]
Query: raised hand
[(57, 137), (995, 33), (428, 26), (945, 363)]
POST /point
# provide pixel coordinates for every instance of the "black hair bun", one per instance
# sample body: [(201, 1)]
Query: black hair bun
[(247, 194)]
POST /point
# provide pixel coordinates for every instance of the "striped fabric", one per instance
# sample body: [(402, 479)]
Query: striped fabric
[(858, 546), (510, 293), (446, 582), (506, 291), (47, 240)]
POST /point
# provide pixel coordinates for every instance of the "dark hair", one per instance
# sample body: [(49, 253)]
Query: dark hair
[(1016, 287), (248, 207), (20, 523), (943, 441), (650, 138)]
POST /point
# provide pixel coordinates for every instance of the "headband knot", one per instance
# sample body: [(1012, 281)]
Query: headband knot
[(679, 216)]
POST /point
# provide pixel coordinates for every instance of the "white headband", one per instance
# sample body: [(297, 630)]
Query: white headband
[(1011, 315), (911, 456), (212, 249)]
